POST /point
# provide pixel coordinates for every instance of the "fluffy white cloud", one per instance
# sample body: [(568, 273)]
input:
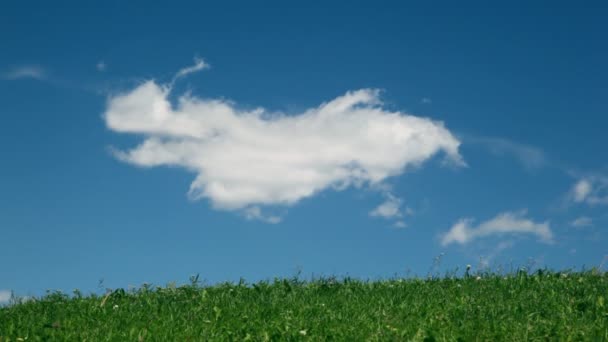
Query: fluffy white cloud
[(581, 222), (592, 190), (247, 158), (5, 296), (28, 71), (464, 231)]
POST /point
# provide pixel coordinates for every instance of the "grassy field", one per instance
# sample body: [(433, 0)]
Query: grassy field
[(477, 307)]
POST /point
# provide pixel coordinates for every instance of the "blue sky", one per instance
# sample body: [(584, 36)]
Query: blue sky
[(146, 143)]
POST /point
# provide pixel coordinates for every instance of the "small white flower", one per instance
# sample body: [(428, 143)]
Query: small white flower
[(303, 332), (478, 278), (115, 306)]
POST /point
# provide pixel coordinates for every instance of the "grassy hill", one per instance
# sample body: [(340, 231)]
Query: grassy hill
[(515, 307)]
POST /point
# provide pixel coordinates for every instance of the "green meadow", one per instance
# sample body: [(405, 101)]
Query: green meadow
[(519, 306)]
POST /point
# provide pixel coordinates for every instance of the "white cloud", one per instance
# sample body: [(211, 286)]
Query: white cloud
[(199, 64), (101, 66), (529, 156), (581, 190), (464, 232), (28, 71), (247, 158), (255, 213), (591, 190), (581, 222), (426, 100), (5, 296), (400, 224), (389, 208)]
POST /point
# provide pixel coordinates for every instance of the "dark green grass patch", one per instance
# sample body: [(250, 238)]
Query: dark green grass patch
[(488, 307)]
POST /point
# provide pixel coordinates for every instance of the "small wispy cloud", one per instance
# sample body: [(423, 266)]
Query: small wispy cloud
[(592, 190), (529, 156), (426, 100), (199, 65), (101, 66), (5, 296), (25, 72), (400, 224), (486, 260), (390, 208), (512, 223), (582, 222), (255, 213), (581, 190)]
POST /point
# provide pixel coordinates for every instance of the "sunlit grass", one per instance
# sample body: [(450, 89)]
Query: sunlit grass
[(476, 307)]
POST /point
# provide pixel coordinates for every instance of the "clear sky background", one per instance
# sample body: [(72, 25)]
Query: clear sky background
[(107, 123)]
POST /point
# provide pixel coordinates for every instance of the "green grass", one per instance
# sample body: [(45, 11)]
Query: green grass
[(515, 307)]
